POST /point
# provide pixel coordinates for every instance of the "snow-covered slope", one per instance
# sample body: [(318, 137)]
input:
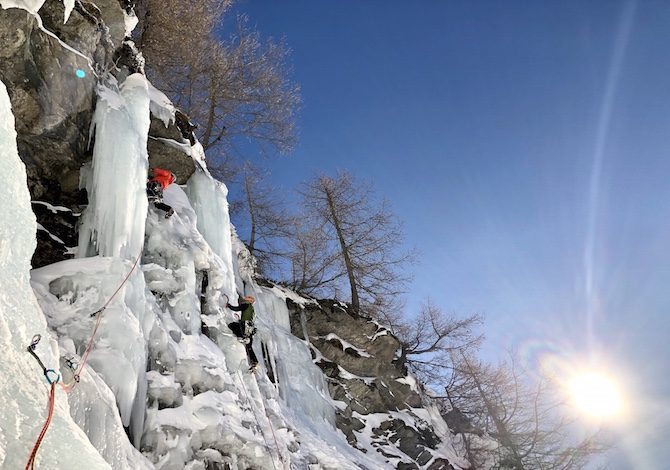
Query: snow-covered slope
[(137, 326)]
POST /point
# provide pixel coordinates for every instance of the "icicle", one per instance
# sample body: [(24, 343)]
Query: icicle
[(113, 223)]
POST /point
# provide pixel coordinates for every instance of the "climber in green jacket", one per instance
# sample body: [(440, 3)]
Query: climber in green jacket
[(244, 329)]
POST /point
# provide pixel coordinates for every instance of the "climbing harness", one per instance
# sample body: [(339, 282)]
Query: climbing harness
[(267, 446), (98, 314), (52, 378)]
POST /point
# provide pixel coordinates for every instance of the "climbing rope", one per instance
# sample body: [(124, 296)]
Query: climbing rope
[(271, 428), (98, 313), (52, 377), (267, 446), (30, 465)]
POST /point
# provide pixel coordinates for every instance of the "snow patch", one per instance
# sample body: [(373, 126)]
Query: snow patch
[(53, 237), (130, 21), (53, 209), (160, 105), (344, 344)]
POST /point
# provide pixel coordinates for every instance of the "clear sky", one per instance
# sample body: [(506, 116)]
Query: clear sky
[(525, 146)]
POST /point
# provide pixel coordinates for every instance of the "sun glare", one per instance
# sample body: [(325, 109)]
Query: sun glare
[(596, 395)]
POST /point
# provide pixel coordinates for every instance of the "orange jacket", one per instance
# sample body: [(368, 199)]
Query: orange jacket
[(164, 177)]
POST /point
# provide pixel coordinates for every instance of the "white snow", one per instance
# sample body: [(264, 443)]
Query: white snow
[(31, 6), (380, 332), (160, 105), (53, 209), (69, 6), (408, 380), (299, 300), (130, 21), (346, 375), (51, 235), (344, 344)]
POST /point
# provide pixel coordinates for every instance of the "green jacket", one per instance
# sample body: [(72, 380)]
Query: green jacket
[(248, 313)]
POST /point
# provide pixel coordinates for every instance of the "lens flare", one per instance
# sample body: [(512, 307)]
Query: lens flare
[(80, 73), (596, 395)]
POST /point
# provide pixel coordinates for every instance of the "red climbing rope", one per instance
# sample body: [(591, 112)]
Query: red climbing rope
[(98, 313), (53, 377), (33, 454)]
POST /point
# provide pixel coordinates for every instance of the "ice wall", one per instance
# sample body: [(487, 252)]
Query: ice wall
[(308, 398), (113, 223), (209, 200), (23, 390)]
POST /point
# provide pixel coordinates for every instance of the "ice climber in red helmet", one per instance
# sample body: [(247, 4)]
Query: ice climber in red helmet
[(159, 179)]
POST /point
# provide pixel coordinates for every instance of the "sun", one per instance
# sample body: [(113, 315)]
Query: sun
[(596, 395)]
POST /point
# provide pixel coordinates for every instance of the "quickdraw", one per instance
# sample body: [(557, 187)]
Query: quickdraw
[(52, 378), (98, 317), (50, 374)]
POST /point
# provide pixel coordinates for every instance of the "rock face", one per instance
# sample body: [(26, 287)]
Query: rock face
[(51, 80), (167, 148), (51, 73), (360, 358), (52, 89)]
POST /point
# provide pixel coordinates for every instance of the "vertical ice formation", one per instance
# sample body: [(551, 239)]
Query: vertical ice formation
[(113, 223), (309, 396), (93, 408), (209, 200), (23, 391)]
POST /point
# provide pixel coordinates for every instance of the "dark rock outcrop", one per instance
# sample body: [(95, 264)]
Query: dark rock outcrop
[(167, 149), (51, 79), (360, 358), (51, 74)]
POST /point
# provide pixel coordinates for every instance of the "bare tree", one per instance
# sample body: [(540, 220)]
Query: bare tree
[(173, 34), (367, 235), (525, 415), (430, 339), (316, 265), (236, 89), (264, 221)]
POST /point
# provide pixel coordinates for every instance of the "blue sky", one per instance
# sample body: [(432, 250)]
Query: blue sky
[(525, 146)]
